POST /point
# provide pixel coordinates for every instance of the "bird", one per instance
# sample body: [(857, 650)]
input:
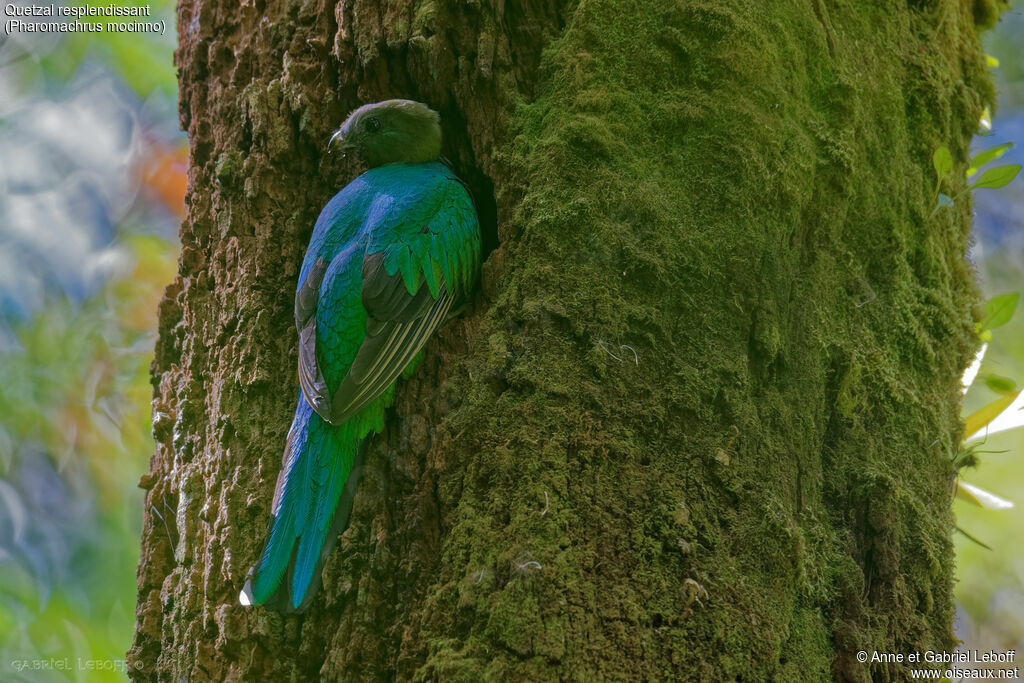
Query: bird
[(392, 255)]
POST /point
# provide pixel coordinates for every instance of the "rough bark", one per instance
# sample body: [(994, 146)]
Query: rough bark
[(697, 423)]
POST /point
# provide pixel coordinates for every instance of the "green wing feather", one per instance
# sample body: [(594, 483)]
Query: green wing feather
[(417, 262)]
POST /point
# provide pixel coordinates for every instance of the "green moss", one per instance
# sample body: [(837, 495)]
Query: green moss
[(424, 23), (229, 168), (728, 339), (269, 115), (848, 399), (986, 12)]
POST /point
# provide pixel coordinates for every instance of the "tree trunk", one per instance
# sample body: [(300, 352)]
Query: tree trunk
[(697, 423)]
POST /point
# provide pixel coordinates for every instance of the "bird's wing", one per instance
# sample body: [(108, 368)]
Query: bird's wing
[(417, 261), (434, 241), (311, 379), (397, 326)]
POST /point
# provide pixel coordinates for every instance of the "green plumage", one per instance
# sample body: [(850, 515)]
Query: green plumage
[(389, 255)]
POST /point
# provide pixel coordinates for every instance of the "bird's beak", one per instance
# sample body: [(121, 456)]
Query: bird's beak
[(339, 138)]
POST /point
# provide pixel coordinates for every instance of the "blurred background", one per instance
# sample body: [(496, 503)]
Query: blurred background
[(990, 588), (92, 187), (91, 195)]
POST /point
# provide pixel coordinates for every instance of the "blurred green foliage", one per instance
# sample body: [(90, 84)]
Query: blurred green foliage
[(990, 583), (142, 60), (74, 438), (75, 392)]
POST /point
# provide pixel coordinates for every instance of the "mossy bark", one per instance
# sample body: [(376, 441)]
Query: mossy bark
[(698, 421)]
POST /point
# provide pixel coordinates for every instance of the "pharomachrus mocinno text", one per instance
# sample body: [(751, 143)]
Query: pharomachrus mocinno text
[(389, 256)]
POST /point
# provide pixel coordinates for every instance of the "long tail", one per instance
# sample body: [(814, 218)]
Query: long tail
[(321, 468)]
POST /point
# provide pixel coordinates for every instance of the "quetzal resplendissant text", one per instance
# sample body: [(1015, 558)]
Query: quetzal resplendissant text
[(389, 256)]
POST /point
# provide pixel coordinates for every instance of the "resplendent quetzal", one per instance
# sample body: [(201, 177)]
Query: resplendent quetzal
[(389, 255)]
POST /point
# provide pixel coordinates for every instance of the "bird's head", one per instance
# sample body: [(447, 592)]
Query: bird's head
[(392, 131)]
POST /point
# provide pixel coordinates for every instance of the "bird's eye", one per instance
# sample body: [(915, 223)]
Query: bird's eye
[(372, 124)]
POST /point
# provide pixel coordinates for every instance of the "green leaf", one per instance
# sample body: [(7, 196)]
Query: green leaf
[(997, 177), (991, 61), (942, 161), (982, 417), (985, 156), (999, 310), (1001, 385), (973, 540), (944, 200)]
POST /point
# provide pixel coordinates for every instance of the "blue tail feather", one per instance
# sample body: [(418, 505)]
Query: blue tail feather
[(321, 467), (331, 469)]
